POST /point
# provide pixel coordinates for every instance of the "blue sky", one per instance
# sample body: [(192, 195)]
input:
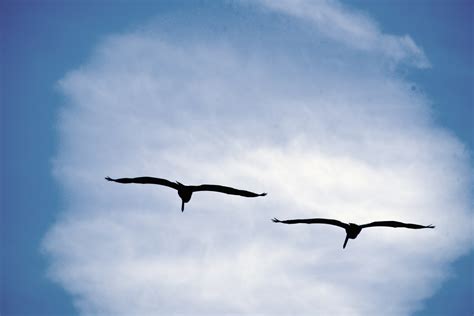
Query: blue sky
[(43, 43)]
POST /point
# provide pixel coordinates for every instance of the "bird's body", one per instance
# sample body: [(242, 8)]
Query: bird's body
[(185, 192), (352, 230)]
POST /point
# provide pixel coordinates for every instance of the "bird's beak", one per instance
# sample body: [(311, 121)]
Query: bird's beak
[(345, 241), (182, 205)]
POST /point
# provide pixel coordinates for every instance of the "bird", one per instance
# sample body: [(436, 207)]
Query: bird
[(186, 191), (352, 230)]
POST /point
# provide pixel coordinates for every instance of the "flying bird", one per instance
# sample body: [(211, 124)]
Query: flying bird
[(352, 230), (186, 191)]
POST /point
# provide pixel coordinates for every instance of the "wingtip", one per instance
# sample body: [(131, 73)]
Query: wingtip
[(275, 220), (263, 194)]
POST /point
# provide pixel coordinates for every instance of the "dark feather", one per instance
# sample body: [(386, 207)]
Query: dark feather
[(395, 224), (224, 189), (146, 180), (313, 221)]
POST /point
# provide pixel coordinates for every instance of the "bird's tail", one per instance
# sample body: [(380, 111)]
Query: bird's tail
[(345, 241), (182, 205)]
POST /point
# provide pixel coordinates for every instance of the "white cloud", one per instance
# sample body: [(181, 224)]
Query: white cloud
[(350, 27), (350, 143)]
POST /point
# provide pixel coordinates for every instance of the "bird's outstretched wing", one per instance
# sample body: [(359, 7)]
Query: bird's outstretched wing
[(224, 189), (145, 180), (313, 221), (395, 224)]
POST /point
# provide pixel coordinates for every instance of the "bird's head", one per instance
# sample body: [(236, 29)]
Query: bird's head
[(184, 193), (353, 230)]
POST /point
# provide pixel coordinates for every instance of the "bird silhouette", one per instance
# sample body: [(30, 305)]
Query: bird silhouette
[(352, 230), (186, 191)]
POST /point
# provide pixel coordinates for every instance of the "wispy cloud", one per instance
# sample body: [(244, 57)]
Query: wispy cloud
[(353, 28), (345, 142)]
